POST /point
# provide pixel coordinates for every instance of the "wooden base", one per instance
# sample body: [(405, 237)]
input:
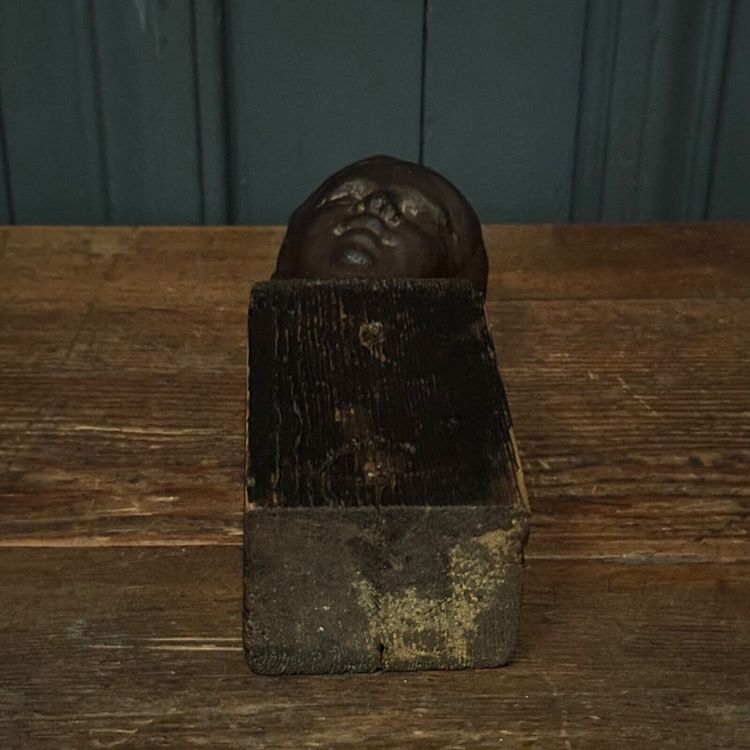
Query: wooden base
[(396, 588), (386, 516)]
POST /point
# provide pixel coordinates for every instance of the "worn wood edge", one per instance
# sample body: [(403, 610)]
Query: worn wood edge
[(146, 647)]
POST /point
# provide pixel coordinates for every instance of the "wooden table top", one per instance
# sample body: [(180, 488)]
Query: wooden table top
[(625, 352)]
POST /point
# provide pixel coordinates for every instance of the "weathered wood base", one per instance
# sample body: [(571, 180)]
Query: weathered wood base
[(386, 510), (393, 588)]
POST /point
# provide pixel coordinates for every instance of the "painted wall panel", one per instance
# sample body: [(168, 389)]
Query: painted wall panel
[(145, 57), (6, 207), (730, 190), (313, 87), (53, 149), (210, 92), (501, 102), (594, 109), (214, 111), (651, 82)]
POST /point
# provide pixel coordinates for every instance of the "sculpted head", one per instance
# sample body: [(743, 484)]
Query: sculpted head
[(384, 218)]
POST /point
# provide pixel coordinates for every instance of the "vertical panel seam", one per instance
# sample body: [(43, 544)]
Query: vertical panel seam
[(699, 91), (197, 108), (423, 81), (635, 205), (608, 113), (231, 199), (599, 55), (574, 171), (99, 113), (706, 103), (728, 44), (5, 166)]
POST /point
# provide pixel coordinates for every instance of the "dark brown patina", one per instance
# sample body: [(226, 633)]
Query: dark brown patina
[(384, 218)]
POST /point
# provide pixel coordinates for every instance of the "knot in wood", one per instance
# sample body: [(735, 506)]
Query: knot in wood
[(372, 337)]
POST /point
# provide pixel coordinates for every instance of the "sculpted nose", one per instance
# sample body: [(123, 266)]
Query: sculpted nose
[(380, 204), (377, 202)]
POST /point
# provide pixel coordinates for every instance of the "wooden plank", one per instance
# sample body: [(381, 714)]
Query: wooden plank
[(643, 417), (119, 343), (126, 126), (53, 144), (123, 342), (731, 176), (145, 63), (619, 262), (309, 98), (526, 262), (501, 103), (142, 647), (119, 106)]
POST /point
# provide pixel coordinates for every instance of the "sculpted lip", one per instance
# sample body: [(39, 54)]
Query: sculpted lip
[(357, 247), (355, 257)]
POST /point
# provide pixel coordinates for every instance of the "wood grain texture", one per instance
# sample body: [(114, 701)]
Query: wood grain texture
[(112, 340), (374, 393), (142, 647), (387, 513), (624, 353)]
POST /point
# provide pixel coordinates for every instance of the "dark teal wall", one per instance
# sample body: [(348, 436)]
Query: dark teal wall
[(215, 111)]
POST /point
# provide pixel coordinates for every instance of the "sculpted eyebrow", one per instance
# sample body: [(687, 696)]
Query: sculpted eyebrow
[(354, 188)]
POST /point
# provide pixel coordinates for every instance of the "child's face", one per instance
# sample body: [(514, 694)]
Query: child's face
[(379, 218)]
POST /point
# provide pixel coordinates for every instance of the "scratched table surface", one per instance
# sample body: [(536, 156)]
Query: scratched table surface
[(625, 352)]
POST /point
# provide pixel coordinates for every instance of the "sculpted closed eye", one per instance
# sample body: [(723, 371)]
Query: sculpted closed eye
[(347, 191)]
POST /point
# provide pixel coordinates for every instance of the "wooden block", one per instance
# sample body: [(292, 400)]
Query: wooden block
[(386, 513)]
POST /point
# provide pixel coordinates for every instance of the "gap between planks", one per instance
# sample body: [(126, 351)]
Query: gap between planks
[(630, 558)]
